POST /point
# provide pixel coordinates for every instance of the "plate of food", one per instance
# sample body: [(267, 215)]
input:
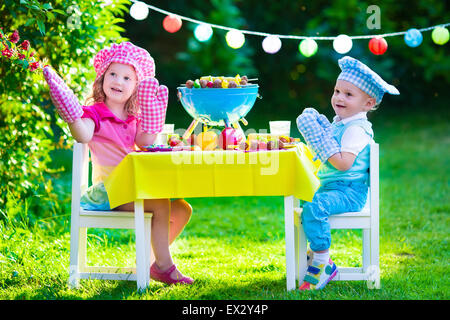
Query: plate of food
[(157, 148)]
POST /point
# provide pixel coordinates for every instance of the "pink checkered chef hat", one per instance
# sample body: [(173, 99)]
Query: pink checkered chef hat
[(126, 53)]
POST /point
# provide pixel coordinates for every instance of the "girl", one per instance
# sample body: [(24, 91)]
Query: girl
[(129, 109)]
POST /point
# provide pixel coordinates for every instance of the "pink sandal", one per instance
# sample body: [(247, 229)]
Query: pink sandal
[(164, 276)]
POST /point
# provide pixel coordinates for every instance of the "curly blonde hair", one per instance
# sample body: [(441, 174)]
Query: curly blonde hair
[(98, 95)]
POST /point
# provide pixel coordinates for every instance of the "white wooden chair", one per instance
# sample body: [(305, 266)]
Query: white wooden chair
[(81, 220), (367, 220)]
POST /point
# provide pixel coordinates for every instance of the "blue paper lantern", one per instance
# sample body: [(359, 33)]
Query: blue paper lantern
[(413, 37), (203, 32)]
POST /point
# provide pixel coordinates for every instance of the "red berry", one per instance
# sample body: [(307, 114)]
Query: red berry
[(14, 38), (25, 45)]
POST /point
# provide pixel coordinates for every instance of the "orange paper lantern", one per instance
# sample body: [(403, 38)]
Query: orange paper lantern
[(378, 45), (172, 23)]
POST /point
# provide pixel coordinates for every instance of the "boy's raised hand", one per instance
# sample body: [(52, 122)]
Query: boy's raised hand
[(323, 121), (63, 98), (309, 127), (320, 140), (311, 111), (153, 100)]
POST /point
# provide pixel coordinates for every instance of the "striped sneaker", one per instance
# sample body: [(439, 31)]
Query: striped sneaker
[(318, 275)]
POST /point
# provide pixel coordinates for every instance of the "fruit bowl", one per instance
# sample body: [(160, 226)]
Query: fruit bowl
[(216, 106)]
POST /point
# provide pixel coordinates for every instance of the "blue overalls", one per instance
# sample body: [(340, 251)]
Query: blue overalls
[(339, 192)]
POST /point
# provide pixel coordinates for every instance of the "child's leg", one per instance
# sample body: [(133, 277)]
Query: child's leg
[(160, 232), (315, 218), (335, 199), (180, 214), (163, 269), (160, 228)]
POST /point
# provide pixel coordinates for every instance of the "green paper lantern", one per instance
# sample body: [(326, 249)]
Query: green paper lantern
[(440, 35), (308, 47)]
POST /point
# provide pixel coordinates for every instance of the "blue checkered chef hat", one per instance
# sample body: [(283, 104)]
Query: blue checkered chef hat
[(357, 73)]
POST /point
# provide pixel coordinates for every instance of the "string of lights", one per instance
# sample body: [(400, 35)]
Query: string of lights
[(272, 42)]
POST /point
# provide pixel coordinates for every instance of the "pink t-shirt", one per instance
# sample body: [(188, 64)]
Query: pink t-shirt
[(113, 139)]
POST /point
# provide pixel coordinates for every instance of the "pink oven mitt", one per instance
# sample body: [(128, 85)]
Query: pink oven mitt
[(153, 100), (62, 96)]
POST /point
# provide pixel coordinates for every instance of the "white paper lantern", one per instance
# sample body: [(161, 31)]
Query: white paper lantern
[(342, 44), (139, 10), (203, 32), (235, 39), (271, 44)]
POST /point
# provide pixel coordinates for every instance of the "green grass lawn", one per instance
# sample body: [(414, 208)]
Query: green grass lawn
[(234, 247)]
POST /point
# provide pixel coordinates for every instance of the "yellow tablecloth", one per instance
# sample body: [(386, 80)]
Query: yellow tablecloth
[(153, 175)]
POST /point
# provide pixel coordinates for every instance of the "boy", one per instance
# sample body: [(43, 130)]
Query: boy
[(343, 148)]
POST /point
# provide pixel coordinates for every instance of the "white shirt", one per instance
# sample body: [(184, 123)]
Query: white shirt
[(354, 138)]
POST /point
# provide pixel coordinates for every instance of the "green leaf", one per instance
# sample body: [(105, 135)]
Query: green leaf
[(41, 26), (50, 16), (29, 22), (59, 12), (25, 64), (47, 6)]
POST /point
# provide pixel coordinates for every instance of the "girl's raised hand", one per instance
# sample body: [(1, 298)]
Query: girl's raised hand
[(63, 98), (153, 100)]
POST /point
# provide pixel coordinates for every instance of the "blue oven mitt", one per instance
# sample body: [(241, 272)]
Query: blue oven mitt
[(318, 137), (323, 121)]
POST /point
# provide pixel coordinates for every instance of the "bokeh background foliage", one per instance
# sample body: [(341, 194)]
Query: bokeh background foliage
[(69, 33), (289, 81), (66, 35)]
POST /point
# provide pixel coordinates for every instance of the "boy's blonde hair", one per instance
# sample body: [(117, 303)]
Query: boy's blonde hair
[(98, 95)]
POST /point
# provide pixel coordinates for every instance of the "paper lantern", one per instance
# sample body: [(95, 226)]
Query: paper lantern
[(342, 44), (172, 23), (413, 37), (308, 47), (139, 10), (235, 39), (203, 32), (440, 35), (271, 44), (378, 45)]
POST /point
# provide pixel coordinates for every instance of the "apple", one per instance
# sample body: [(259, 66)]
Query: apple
[(174, 141), (230, 136)]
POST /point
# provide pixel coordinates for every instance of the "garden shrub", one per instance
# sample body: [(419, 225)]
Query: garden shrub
[(66, 35)]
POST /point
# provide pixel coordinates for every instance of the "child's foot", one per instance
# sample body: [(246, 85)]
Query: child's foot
[(318, 275), (170, 276)]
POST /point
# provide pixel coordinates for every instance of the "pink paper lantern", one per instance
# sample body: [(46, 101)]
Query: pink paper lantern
[(172, 23)]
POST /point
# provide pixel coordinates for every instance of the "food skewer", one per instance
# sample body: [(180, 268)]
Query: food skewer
[(254, 79)]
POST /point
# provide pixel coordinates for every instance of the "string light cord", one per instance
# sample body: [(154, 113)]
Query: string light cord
[(282, 36)]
